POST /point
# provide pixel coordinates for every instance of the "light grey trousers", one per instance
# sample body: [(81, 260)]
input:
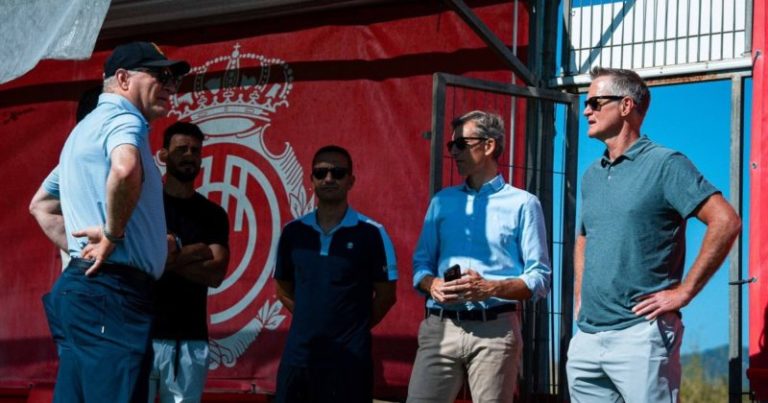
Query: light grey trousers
[(639, 364)]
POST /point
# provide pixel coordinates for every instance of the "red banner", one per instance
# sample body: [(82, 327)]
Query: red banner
[(267, 94), (758, 253)]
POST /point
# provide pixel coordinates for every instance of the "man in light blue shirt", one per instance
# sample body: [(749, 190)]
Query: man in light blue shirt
[(495, 233), (110, 195)]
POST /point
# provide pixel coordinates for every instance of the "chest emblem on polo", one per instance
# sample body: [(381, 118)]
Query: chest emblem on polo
[(350, 245)]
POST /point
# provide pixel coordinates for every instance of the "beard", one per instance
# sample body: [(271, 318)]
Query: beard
[(183, 175)]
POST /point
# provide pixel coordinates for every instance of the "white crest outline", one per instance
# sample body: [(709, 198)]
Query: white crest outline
[(237, 109)]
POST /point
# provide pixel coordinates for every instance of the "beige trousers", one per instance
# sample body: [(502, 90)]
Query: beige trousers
[(487, 353)]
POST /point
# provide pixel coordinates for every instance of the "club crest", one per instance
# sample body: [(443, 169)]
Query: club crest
[(233, 99)]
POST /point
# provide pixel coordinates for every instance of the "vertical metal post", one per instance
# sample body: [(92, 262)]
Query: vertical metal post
[(699, 35), (735, 291), (540, 152), (531, 318), (665, 42), (436, 136), (748, 27), (677, 30), (565, 56), (688, 33), (711, 30), (568, 237), (722, 31)]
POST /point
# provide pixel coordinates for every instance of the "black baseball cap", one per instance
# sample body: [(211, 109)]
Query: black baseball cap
[(142, 54)]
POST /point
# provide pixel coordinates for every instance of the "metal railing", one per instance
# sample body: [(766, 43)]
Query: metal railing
[(662, 37)]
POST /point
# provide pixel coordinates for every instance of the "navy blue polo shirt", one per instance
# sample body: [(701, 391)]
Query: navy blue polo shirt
[(633, 216), (333, 275)]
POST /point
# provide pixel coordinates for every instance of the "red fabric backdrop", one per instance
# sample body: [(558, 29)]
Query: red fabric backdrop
[(268, 93), (758, 234)]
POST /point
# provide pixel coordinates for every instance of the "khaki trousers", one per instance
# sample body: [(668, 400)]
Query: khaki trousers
[(487, 353)]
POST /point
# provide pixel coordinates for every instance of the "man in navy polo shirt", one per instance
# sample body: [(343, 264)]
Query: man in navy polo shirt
[(336, 273), (630, 252)]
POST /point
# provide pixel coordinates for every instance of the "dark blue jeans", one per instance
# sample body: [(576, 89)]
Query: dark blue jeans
[(101, 325)]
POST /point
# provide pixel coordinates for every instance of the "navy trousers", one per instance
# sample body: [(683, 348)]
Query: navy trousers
[(101, 325), (324, 385)]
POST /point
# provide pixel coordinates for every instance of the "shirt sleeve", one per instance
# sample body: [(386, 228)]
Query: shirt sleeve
[(685, 188), (537, 271), (51, 183), (385, 267), (425, 255), (125, 128), (284, 269)]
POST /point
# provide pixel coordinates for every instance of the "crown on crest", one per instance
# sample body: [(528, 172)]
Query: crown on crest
[(238, 85)]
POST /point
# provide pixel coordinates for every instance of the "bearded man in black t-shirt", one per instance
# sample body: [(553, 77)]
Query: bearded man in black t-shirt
[(180, 336)]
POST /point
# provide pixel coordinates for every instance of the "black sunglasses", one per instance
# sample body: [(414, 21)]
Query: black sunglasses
[(336, 172), (595, 103), (164, 77), (461, 143)]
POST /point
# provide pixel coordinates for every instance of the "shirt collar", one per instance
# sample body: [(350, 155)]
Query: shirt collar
[(351, 218), (631, 153), (122, 102), (492, 186)]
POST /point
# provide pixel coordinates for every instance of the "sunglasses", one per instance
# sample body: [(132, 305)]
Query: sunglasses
[(336, 172), (595, 104), (164, 77), (461, 143)]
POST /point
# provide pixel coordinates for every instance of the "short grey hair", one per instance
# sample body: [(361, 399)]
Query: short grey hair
[(109, 84), (625, 83), (487, 124)]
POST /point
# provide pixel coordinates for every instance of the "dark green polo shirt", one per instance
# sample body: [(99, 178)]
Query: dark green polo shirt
[(633, 215)]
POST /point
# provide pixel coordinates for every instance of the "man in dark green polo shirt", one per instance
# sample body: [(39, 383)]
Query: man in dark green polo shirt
[(630, 253)]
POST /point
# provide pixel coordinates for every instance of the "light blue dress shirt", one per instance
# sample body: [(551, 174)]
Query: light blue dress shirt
[(497, 231), (81, 176)]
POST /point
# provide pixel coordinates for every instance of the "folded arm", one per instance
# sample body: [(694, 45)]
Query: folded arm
[(201, 263)]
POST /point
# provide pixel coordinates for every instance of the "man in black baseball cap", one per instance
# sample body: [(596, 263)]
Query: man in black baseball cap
[(140, 73), (111, 198), (142, 55)]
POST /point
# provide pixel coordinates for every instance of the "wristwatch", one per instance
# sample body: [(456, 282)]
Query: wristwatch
[(110, 237)]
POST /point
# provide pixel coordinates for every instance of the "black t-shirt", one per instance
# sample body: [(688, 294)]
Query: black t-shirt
[(181, 304)]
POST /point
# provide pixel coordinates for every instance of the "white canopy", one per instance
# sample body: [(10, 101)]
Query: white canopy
[(32, 30)]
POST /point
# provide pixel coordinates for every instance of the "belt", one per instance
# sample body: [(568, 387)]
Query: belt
[(78, 265), (475, 314)]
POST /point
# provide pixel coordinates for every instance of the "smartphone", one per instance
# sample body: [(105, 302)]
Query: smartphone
[(452, 273)]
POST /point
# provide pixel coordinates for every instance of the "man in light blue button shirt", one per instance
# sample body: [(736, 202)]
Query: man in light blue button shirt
[(495, 233), (110, 194)]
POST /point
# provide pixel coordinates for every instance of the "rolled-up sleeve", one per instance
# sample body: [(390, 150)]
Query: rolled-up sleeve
[(51, 183), (425, 255), (537, 270)]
